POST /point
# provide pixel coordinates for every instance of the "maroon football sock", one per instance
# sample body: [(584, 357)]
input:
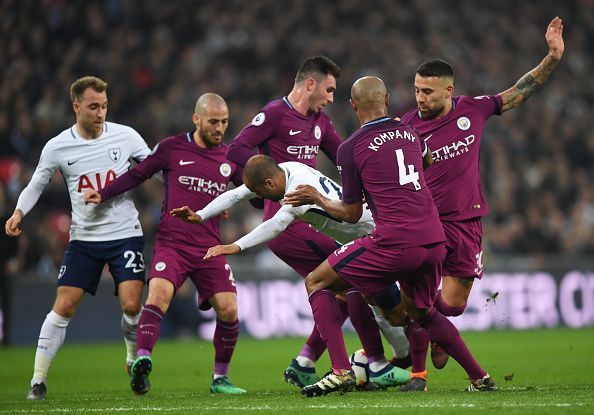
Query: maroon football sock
[(148, 329), (314, 347), (328, 317), (441, 306), (224, 340), (418, 343), (364, 322), (445, 334)]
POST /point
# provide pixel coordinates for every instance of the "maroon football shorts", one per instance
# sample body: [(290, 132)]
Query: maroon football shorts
[(302, 247), (371, 269), (210, 276), (464, 244)]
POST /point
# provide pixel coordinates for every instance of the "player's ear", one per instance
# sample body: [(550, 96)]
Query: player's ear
[(196, 119), (75, 106), (310, 84), (449, 91), (269, 182)]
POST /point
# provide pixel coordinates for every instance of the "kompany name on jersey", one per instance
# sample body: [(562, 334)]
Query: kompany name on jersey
[(380, 139)]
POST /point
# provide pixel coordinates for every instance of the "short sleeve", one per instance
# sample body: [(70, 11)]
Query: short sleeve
[(487, 105), (352, 189)]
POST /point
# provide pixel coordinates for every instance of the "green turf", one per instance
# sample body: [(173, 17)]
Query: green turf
[(551, 371)]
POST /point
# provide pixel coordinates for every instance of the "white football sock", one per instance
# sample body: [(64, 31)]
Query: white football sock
[(305, 361), (51, 337), (378, 365), (128, 326), (394, 335)]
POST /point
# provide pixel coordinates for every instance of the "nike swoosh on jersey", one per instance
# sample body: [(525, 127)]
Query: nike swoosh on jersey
[(291, 132), (183, 163), (70, 163)]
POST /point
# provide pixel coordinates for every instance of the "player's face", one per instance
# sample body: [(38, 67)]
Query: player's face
[(432, 94), (322, 93), (212, 125), (269, 190), (91, 111)]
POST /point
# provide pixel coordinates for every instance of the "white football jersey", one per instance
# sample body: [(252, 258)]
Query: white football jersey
[(296, 173), (343, 232), (91, 164)]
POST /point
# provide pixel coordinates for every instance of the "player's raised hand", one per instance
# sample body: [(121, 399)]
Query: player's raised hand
[(92, 196), (186, 214), (13, 224), (222, 250), (554, 37), (303, 194)]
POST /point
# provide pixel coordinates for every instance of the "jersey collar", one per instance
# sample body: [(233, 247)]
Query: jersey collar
[(286, 101), (377, 121), (76, 135)]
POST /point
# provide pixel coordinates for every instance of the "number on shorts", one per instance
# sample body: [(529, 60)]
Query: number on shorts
[(231, 278), (479, 263), (405, 177), (135, 261)]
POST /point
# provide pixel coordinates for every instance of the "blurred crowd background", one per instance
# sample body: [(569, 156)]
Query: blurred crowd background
[(158, 57)]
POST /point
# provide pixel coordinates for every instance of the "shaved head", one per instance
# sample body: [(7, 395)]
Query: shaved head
[(211, 118), (369, 93), (209, 101)]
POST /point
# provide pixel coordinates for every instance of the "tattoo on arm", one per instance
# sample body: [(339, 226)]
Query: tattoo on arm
[(528, 84)]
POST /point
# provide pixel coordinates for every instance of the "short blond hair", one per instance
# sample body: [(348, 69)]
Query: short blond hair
[(78, 87)]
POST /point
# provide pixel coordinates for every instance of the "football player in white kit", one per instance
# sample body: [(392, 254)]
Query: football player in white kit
[(270, 180), (89, 154)]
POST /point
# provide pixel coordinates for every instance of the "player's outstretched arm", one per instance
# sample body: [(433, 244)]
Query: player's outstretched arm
[(534, 80), (13, 224), (222, 250), (186, 214), (92, 196), (305, 194)]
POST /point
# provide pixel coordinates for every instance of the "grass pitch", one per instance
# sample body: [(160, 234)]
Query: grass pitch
[(538, 372)]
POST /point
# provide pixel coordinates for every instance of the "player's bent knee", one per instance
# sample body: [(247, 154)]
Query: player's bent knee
[(311, 283), (65, 308), (228, 314), (131, 307)]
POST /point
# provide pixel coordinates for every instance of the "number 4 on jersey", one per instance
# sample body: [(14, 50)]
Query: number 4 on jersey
[(405, 177)]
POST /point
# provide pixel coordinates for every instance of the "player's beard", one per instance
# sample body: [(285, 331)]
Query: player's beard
[(210, 140), (432, 113), (95, 130)]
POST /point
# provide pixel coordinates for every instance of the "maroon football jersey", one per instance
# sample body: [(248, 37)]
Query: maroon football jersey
[(454, 140), (383, 161), (192, 176), (285, 134)]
